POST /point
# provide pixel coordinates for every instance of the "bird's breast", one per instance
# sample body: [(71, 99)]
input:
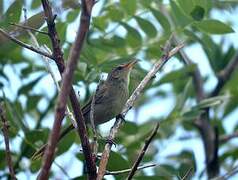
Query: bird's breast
[(112, 105)]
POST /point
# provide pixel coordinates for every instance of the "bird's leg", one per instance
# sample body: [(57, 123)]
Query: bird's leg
[(111, 142)]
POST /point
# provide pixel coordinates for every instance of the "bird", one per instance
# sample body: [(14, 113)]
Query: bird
[(110, 98)]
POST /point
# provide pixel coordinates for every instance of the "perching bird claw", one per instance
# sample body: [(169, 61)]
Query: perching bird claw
[(121, 116)]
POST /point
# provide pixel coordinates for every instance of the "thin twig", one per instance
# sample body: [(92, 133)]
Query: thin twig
[(114, 173), (130, 102), (6, 140), (187, 174), (206, 130), (49, 69), (25, 149), (225, 138), (62, 169), (92, 110), (29, 28), (27, 46), (66, 89), (229, 174), (142, 153)]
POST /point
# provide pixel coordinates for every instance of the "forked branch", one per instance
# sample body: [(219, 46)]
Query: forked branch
[(130, 102)]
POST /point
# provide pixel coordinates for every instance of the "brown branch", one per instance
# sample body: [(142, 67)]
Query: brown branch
[(202, 123), (94, 143), (225, 138), (29, 28), (205, 128), (6, 140), (187, 174), (128, 170), (142, 153), (130, 102), (224, 75), (67, 89), (54, 37), (27, 46), (228, 175)]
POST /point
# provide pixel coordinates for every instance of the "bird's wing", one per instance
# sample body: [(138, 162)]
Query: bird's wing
[(99, 94)]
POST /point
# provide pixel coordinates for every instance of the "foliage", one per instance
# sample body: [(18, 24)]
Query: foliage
[(120, 30)]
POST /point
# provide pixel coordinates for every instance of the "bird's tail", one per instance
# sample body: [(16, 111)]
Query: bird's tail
[(40, 152)]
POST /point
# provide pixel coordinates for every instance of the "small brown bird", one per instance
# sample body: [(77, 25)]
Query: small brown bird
[(111, 95)]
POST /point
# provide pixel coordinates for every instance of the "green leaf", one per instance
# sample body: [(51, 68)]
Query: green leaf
[(91, 76), (31, 137), (194, 8), (14, 113), (82, 67), (195, 111), (72, 15), (61, 29), (1, 8), (177, 74), (2, 159), (186, 5), (32, 102), (35, 165), (212, 50), (146, 3), (115, 42), (37, 20), (13, 13), (205, 4), (166, 171), (80, 177), (162, 20), (210, 102), (183, 96), (66, 143), (2, 74), (213, 27), (3, 162), (35, 4), (231, 153), (31, 68), (198, 13), (179, 15), (191, 114), (109, 64), (153, 52), (156, 177), (80, 156), (115, 13), (187, 161), (146, 26), (231, 105), (133, 37), (120, 164), (129, 128), (100, 22), (129, 6), (29, 86)]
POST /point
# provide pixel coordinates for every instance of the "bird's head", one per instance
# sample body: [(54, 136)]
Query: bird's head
[(121, 72)]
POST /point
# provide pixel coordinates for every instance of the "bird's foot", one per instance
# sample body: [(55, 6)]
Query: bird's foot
[(121, 116), (111, 142)]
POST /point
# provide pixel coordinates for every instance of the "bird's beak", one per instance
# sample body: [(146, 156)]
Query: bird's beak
[(130, 64)]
